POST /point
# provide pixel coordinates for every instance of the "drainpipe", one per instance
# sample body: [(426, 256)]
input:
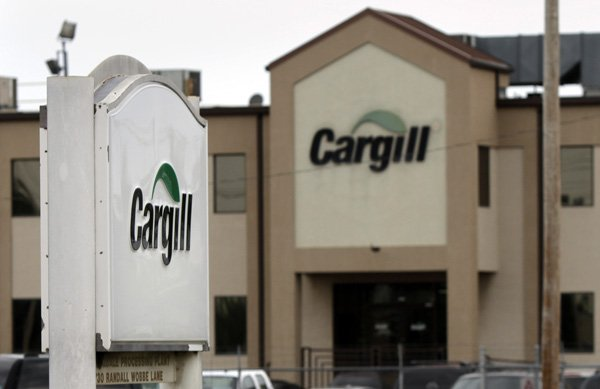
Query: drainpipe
[(261, 237)]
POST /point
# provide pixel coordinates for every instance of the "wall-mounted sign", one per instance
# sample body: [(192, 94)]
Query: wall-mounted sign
[(378, 151), (370, 153), (151, 218)]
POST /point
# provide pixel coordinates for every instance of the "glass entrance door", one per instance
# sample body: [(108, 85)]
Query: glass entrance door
[(371, 319)]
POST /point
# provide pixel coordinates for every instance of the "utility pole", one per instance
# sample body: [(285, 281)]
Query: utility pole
[(551, 150)]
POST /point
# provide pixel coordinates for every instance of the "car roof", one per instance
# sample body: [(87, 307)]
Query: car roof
[(511, 373), (231, 372)]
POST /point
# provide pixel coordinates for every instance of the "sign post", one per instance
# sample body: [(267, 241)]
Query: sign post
[(127, 298), (70, 223)]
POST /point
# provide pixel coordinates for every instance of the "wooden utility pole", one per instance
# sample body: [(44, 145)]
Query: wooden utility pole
[(551, 150)]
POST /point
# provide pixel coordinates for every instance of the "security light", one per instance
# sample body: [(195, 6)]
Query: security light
[(68, 30), (67, 33), (54, 67)]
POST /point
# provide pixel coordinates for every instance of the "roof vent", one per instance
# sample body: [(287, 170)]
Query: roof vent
[(256, 100), (188, 81), (8, 93)]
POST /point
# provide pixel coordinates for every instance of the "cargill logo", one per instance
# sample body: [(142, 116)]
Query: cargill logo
[(380, 150), (169, 224)]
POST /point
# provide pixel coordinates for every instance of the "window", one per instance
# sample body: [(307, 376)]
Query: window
[(247, 383), (577, 176), (230, 183), (484, 176), (230, 324), (26, 187), (577, 322), (261, 382), (27, 325)]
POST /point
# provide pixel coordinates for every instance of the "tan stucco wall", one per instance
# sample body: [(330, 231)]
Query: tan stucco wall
[(465, 112), (502, 306), (519, 127), (233, 237), (317, 315), (26, 257), (18, 139), (580, 258)]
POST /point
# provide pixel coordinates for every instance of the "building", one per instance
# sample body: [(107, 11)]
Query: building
[(389, 194)]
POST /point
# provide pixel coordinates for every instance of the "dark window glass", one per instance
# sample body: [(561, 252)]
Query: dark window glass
[(577, 322), (577, 173), (27, 326), (26, 187), (230, 324), (230, 183), (484, 176)]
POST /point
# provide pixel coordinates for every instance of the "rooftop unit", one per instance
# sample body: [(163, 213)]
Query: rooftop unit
[(579, 58), (188, 81), (8, 94)]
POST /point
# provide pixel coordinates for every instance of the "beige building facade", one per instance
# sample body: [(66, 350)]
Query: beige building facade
[(387, 196)]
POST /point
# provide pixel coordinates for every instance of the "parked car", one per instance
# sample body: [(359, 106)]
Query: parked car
[(433, 376), (282, 384), (18, 371), (364, 380), (236, 379), (592, 382), (498, 380), (574, 378)]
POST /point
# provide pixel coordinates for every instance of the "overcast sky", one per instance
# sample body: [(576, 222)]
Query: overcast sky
[(231, 41)]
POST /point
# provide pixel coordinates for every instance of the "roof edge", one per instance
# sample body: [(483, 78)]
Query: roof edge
[(397, 20), (318, 38)]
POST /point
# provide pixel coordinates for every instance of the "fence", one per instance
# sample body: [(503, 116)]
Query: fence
[(319, 367)]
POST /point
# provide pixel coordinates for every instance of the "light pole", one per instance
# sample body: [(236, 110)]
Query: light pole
[(67, 33)]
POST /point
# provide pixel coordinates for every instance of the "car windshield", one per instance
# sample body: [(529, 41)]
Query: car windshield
[(219, 382), (490, 383)]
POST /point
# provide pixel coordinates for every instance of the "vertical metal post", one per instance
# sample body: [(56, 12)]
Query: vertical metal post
[(239, 362), (482, 370), (71, 233), (551, 149), (400, 366), (536, 373), (64, 53)]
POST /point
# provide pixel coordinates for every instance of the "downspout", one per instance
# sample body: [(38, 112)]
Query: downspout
[(261, 237)]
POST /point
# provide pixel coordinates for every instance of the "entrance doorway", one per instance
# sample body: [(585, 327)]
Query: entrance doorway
[(371, 319)]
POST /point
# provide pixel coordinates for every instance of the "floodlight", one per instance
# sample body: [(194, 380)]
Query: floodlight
[(68, 30), (54, 67), (67, 33)]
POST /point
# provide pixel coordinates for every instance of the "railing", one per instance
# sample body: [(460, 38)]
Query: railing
[(319, 366)]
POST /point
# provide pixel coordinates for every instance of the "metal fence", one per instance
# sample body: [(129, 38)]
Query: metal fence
[(319, 367)]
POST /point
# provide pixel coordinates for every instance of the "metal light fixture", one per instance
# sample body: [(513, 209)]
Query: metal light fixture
[(67, 33), (54, 66)]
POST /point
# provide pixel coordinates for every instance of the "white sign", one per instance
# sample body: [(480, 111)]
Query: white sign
[(151, 218)]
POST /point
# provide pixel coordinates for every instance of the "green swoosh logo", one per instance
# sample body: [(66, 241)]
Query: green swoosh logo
[(384, 119), (167, 175)]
